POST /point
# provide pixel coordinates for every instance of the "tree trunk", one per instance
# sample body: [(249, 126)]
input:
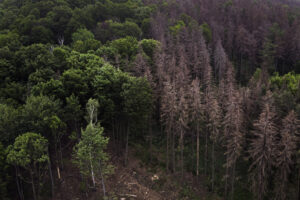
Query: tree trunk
[(181, 151), (92, 171), (213, 166), (60, 155), (57, 160), (198, 146), (150, 132), (233, 180), (126, 149), (33, 187), (227, 176), (167, 157), (299, 184), (19, 187), (206, 152), (51, 176), (113, 132), (173, 151), (102, 180)]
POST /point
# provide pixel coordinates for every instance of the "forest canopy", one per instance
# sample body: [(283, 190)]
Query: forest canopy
[(202, 88)]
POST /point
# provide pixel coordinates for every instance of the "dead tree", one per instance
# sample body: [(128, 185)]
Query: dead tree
[(286, 150), (262, 148), (196, 115)]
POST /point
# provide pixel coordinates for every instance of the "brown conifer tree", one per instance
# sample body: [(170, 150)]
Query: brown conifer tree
[(220, 60), (168, 111), (234, 138), (196, 115), (214, 113), (183, 117), (286, 149), (262, 148)]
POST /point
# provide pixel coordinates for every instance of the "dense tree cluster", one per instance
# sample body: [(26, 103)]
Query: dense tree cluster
[(216, 80)]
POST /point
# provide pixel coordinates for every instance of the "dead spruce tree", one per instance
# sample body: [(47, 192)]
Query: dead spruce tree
[(213, 112), (183, 116), (232, 123), (262, 148), (196, 115), (207, 88), (234, 138), (286, 151), (220, 60), (168, 110)]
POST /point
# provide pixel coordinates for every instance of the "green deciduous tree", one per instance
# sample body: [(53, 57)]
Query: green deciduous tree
[(35, 113), (89, 153), (29, 152), (9, 123), (137, 104)]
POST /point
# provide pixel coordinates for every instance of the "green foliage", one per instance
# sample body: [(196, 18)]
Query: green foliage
[(13, 93), (206, 31), (109, 30), (87, 45), (10, 39), (72, 110), (35, 113), (189, 21), (75, 83), (149, 46), (59, 18), (257, 74), (41, 34), (127, 47), (49, 88), (286, 89), (83, 61), (137, 98), (89, 153), (60, 58), (175, 29), (31, 58), (9, 123), (107, 87), (289, 81), (275, 32), (28, 150), (82, 35), (107, 52)]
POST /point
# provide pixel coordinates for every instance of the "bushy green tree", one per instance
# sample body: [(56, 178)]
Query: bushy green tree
[(30, 152), (32, 58), (35, 113), (149, 46), (109, 30), (10, 39), (83, 40), (83, 35), (74, 81), (9, 123), (73, 113)]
